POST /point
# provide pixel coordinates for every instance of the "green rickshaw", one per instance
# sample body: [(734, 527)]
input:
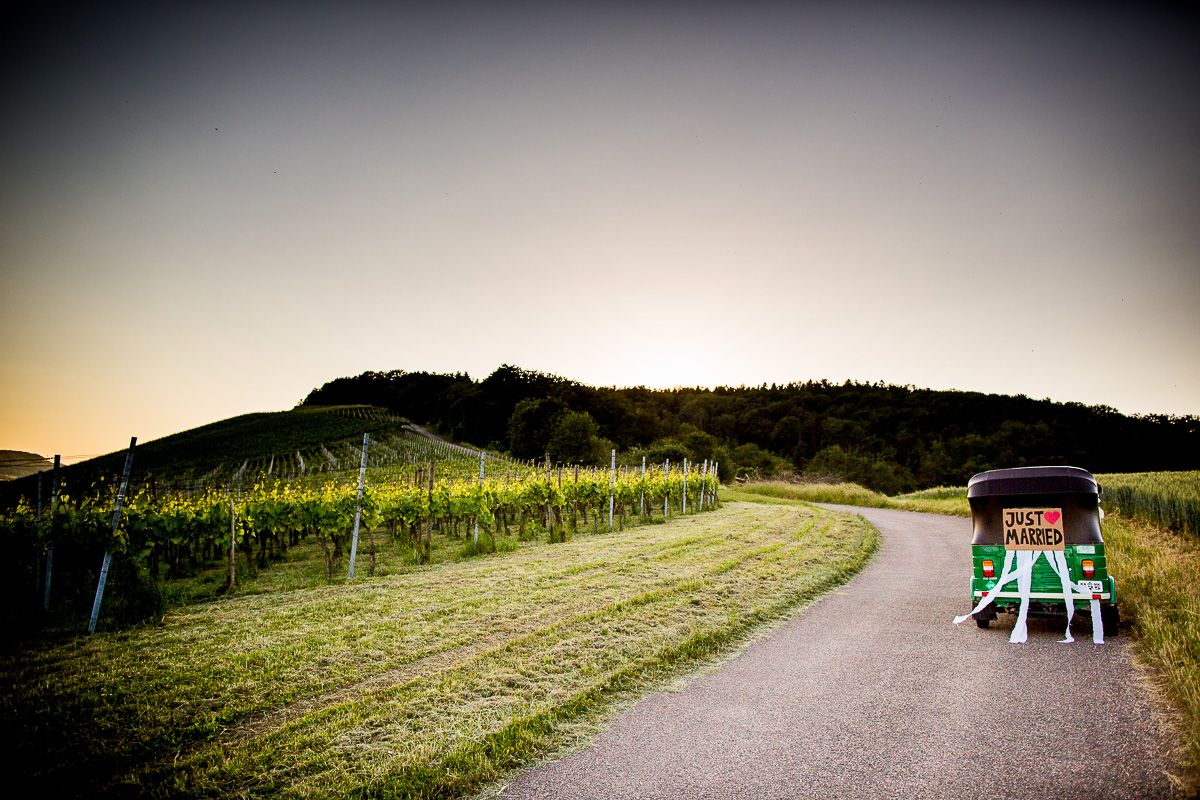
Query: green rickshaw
[(1038, 520)]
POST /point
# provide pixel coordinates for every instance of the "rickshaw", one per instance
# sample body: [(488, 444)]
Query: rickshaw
[(1053, 515)]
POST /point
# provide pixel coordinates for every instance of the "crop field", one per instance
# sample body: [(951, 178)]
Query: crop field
[(940, 500), (431, 682), (1168, 499)]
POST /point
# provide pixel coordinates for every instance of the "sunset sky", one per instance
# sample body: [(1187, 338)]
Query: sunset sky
[(210, 209)]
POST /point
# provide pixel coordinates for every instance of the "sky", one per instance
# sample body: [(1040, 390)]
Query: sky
[(208, 209)]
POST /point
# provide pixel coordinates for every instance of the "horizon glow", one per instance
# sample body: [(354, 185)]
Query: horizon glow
[(207, 211)]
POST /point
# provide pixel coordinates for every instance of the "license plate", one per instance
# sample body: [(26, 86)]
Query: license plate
[(1095, 587)]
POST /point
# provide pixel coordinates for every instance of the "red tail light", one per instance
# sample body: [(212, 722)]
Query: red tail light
[(989, 568), (1089, 568)]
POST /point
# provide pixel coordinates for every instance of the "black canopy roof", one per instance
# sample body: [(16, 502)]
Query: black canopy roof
[(1032, 480)]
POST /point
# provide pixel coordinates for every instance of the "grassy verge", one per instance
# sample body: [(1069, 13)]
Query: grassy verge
[(430, 683), (940, 500), (1158, 592)]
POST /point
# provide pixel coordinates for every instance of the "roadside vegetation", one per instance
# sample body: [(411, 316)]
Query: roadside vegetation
[(1152, 537), (1167, 499), (432, 681), (1158, 594), (939, 500)]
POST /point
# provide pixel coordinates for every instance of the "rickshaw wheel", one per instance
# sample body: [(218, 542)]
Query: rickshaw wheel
[(1110, 617), (983, 623)]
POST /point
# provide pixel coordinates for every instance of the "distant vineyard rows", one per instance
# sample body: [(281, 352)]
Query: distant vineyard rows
[(440, 486), (323, 462)]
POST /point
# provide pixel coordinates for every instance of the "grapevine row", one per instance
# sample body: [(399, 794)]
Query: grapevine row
[(165, 534)]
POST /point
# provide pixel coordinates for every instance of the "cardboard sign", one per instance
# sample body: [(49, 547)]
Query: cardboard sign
[(1033, 529)]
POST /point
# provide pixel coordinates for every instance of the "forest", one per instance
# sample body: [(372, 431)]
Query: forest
[(889, 438)]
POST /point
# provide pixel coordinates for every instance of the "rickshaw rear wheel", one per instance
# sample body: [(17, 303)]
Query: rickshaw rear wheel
[(1110, 617), (983, 623)]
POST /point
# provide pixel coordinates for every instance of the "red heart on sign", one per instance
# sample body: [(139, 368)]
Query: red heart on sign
[(1052, 517)]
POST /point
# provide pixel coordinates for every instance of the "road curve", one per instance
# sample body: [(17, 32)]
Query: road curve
[(873, 692)]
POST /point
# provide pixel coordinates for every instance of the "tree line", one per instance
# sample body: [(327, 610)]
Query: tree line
[(886, 437)]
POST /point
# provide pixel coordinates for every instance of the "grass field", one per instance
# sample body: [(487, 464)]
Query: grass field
[(1168, 499), (428, 683)]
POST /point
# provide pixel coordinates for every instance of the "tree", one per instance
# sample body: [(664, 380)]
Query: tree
[(873, 473), (531, 425), (576, 440)]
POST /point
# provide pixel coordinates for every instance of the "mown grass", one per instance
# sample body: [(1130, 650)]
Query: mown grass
[(304, 567), (940, 500), (429, 683)]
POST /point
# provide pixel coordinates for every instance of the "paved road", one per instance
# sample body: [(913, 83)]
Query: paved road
[(873, 693)]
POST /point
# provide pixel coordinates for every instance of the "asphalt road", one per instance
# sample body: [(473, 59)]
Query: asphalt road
[(873, 692)]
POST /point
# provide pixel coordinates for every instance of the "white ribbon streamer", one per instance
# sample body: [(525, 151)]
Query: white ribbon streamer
[(1006, 576), (1023, 575), (1059, 563), (1025, 562)]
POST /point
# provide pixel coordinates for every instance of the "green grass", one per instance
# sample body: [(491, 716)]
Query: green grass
[(941, 500), (1167, 499), (304, 566), (428, 683), (1158, 592)]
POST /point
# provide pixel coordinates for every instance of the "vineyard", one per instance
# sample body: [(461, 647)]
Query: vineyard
[(411, 487)]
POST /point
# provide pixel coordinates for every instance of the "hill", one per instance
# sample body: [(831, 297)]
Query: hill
[(889, 438), (18, 463), (280, 441)]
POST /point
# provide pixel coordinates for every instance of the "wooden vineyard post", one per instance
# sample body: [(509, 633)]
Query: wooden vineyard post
[(116, 523), (476, 540), (50, 544), (232, 544), (575, 503), (683, 505), (642, 497), (362, 475), (429, 516), (612, 486), (37, 526), (667, 490), (549, 493), (703, 484)]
